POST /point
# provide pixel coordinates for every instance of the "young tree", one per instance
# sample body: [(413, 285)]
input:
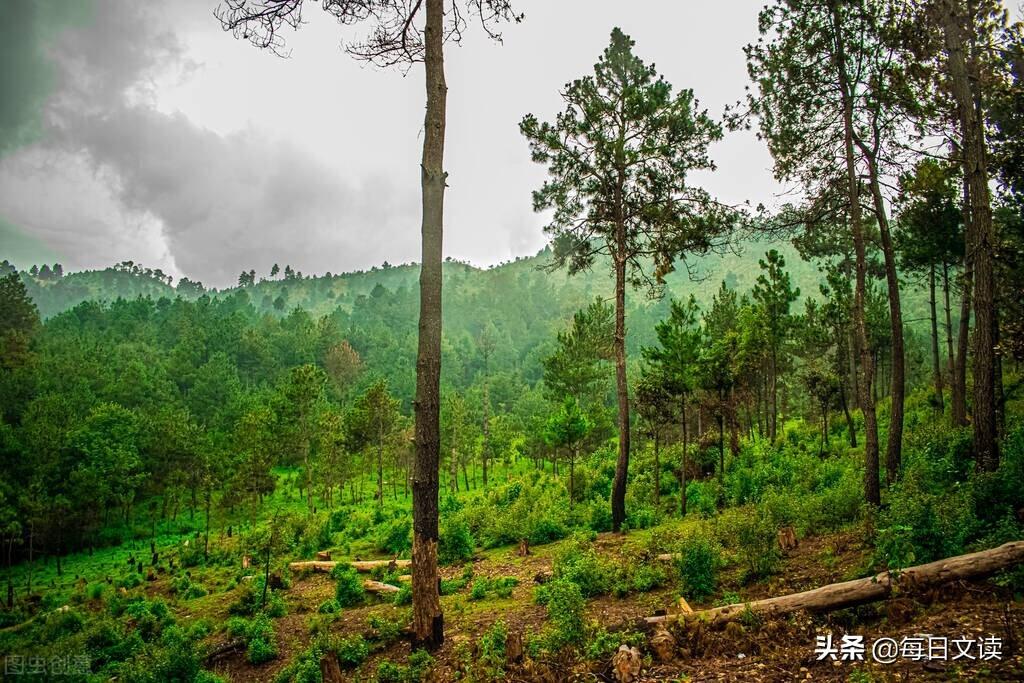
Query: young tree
[(719, 360), (930, 241), (566, 429), (618, 157), (403, 35), (773, 294), (371, 423), (674, 365), (301, 396), (578, 366)]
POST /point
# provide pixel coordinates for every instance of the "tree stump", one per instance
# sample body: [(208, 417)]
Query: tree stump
[(246, 561), (323, 555), (787, 539), (626, 664), (663, 644), (513, 647), (330, 670), (524, 548)]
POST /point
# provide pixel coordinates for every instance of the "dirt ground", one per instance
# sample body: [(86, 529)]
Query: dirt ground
[(775, 650)]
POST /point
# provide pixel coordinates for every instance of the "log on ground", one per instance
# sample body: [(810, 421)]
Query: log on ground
[(859, 591)]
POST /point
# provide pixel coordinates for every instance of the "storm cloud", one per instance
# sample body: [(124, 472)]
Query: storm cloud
[(142, 131)]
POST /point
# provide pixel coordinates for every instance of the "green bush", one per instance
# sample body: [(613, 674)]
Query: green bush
[(579, 563), (754, 538), (349, 591), (404, 595), (702, 498), (491, 651), (565, 612), (456, 541), (700, 558), (395, 537), (352, 651)]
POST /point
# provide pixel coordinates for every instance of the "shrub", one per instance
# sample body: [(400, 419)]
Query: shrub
[(329, 607), (698, 563), (751, 533), (352, 651), (702, 498), (491, 650), (456, 542), (565, 612), (185, 588), (404, 595), (395, 537), (578, 563), (349, 591)]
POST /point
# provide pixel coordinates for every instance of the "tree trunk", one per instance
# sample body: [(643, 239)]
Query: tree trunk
[(936, 363), (657, 470), (950, 359), (428, 622), (773, 395), (980, 240), (721, 446), (621, 388), (682, 467), (872, 489), (897, 382), (859, 591), (380, 474), (849, 418)]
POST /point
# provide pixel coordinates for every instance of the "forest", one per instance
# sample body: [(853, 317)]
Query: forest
[(687, 440)]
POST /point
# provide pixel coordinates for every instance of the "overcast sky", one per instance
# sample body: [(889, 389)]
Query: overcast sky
[(142, 131)]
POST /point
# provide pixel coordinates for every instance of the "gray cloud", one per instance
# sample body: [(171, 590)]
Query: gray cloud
[(221, 202)]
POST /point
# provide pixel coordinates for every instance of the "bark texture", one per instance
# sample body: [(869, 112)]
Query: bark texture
[(428, 622)]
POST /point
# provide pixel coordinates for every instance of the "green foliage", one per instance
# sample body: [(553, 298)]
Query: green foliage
[(491, 651), (395, 537), (352, 651), (404, 595), (565, 604), (349, 590), (258, 634), (699, 560), (754, 537), (185, 588), (578, 562), (455, 543)]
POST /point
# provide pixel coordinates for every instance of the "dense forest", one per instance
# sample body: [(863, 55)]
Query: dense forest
[(678, 405)]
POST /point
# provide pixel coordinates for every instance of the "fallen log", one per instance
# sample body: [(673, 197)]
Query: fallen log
[(224, 649), (370, 565), (358, 565), (313, 565), (377, 587), (859, 591)]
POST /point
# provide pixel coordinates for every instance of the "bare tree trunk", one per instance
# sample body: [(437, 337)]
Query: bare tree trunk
[(897, 382), (657, 470), (428, 621), (950, 360), (872, 488), (682, 467), (936, 363), (980, 241), (621, 388)]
